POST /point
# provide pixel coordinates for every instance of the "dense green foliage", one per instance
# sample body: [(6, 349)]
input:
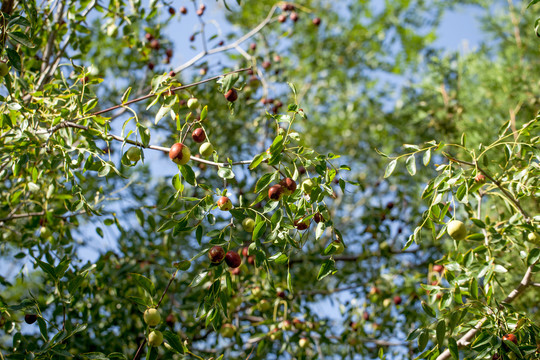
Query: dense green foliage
[(387, 137)]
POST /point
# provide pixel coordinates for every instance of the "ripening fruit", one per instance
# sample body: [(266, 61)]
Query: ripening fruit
[(275, 192), (511, 337), (298, 324), (438, 268), (288, 185), (228, 330), (206, 150), (179, 153), (233, 259), (154, 44), (456, 229), (155, 338), (231, 95), (301, 224), (303, 342), (316, 21), (282, 18), (286, 325), (193, 103), (307, 186), (133, 154), (275, 334), (294, 16), (152, 317), (45, 232), (198, 135), (3, 69), (338, 245), (183, 10), (216, 254), (387, 302), (256, 291), (480, 178), (30, 318), (397, 299), (318, 217), (224, 203), (248, 224)]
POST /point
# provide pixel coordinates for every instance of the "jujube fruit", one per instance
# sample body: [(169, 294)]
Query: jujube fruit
[(248, 224), (216, 254), (275, 192), (456, 229), (301, 224), (180, 154), (193, 103), (30, 318), (198, 135), (224, 203), (133, 154), (206, 150), (152, 317), (231, 95), (155, 338), (232, 259), (288, 185)]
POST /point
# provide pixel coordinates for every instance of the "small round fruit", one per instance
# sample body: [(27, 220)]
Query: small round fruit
[(289, 186), (133, 154), (480, 178), (183, 10), (298, 324), (256, 291), (3, 69), (231, 95), (170, 319), (154, 44), (248, 224), (301, 224), (438, 268), (45, 232), (456, 229), (193, 103), (397, 299), (228, 330), (307, 186), (206, 150), (303, 342), (198, 135), (155, 338), (172, 11), (318, 217), (216, 254), (282, 18), (232, 259), (152, 317), (294, 16), (365, 316), (245, 251), (30, 318), (338, 245), (224, 203), (387, 302), (275, 192), (264, 305), (511, 337), (275, 334), (180, 154), (316, 21)]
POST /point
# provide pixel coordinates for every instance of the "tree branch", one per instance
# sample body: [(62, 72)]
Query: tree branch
[(465, 340)]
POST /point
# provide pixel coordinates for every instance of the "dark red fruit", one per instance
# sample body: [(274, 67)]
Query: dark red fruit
[(30, 318), (154, 44), (221, 43), (282, 18), (318, 217), (289, 185), (172, 73), (183, 10), (251, 260), (266, 64), (170, 320), (480, 178), (198, 135), (301, 224), (294, 16), (275, 192), (511, 337), (149, 36), (202, 7), (495, 357), (301, 170), (438, 268), (397, 299), (231, 95), (253, 46), (390, 205), (365, 316), (200, 12), (192, 38), (172, 11), (151, 66), (216, 254), (316, 21), (281, 294), (169, 52), (245, 251), (233, 259)]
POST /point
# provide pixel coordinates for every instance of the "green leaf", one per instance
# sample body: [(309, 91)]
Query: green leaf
[(327, 268), (532, 3), (423, 340), (14, 58), (259, 230), (428, 310), (410, 163), (145, 283), (47, 268), (441, 331), (427, 157), (390, 168), (453, 348), (188, 174), (174, 341), (144, 133), (225, 173), (21, 38), (257, 160), (533, 257)]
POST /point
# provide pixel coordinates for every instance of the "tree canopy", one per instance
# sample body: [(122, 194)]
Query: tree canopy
[(264, 180)]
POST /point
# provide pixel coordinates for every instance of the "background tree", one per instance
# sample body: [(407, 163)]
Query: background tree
[(98, 227)]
